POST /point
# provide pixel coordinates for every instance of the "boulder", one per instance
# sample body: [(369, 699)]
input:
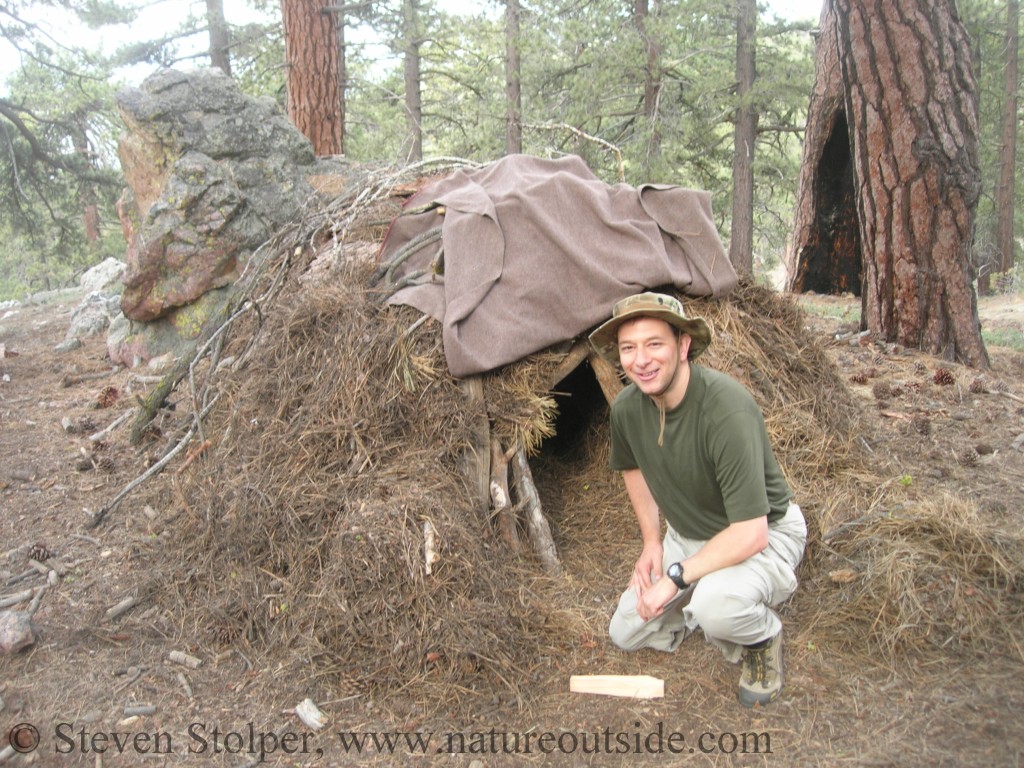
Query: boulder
[(131, 343), (93, 315), (104, 278), (212, 175)]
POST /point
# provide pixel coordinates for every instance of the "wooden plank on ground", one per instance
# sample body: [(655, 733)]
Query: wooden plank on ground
[(630, 686)]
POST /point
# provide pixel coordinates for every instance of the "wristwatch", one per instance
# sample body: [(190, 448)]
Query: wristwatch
[(675, 572)]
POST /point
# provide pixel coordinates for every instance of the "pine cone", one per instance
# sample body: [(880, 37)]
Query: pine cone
[(881, 390), (107, 397), (968, 457), (921, 423), (40, 552), (978, 386), (859, 378), (943, 377)]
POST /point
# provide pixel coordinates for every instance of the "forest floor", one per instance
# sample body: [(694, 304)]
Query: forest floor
[(947, 707)]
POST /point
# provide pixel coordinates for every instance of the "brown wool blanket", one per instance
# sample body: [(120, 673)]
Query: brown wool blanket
[(536, 251)]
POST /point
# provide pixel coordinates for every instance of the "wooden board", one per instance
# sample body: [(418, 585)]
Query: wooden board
[(630, 686)]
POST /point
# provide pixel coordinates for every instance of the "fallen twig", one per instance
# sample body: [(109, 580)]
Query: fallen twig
[(1011, 396), (156, 468), (194, 454), (122, 607), (17, 597), (97, 436), (185, 684), (71, 379)]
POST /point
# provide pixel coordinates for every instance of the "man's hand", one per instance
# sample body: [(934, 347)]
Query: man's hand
[(647, 569), (651, 603)]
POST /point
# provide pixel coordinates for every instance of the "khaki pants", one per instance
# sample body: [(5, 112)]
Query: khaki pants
[(732, 605)]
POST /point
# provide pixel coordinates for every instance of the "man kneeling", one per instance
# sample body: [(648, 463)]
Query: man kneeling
[(691, 444)]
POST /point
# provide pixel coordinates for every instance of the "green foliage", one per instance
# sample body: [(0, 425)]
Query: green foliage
[(58, 136), (985, 21)]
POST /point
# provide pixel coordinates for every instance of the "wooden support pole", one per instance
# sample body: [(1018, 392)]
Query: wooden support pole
[(501, 499), (477, 458), (607, 376), (536, 523)]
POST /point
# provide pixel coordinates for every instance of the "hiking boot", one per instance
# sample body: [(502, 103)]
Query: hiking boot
[(761, 680)]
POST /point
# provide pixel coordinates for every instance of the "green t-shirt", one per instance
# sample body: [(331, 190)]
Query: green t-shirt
[(716, 466)]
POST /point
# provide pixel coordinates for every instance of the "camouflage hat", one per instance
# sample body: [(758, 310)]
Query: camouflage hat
[(668, 308)]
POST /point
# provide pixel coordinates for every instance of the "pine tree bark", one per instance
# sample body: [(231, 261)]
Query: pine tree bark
[(513, 79), (314, 95), (1005, 192), (741, 238), (825, 252), (909, 107), (413, 95), (652, 75), (220, 37)]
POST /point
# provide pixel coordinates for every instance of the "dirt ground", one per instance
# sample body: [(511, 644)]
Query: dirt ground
[(945, 707)]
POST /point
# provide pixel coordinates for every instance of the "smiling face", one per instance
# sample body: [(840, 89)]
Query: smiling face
[(653, 357)]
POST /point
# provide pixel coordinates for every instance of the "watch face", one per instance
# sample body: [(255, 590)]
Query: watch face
[(674, 571)]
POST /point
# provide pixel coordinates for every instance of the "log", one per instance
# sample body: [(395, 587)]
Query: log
[(629, 686), (501, 499), (477, 458), (607, 376), (536, 523), (576, 355)]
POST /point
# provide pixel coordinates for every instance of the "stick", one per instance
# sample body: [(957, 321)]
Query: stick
[(537, 524), (139, 710), (195, 453), (501, 498), (576, 355), (430, 555), (98, 517), (179, 657), (17, 597), (1011, 396), (185, 684), (607, 376), (72, 379), (97, 436), (122, 607)]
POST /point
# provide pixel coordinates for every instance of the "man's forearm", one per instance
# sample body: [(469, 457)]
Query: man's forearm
[(728, 547), (644, 506)]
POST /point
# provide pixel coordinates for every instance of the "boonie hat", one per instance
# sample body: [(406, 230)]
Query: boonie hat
[(659, 305)]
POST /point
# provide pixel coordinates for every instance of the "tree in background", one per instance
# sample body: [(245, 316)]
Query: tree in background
[(59, 178), (220, 36), (1005, 192), (741, 244), (513, 78), (909, 113), (314, 94)]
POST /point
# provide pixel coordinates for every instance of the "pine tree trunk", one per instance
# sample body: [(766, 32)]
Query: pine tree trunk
[(741, 239), (220, 38), (413, 97), (513, 79), (314, 95), (909, 100), (825, 253), (652, 76), (1005, 193)]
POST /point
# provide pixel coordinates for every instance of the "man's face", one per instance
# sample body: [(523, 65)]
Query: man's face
[(651, 355)]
